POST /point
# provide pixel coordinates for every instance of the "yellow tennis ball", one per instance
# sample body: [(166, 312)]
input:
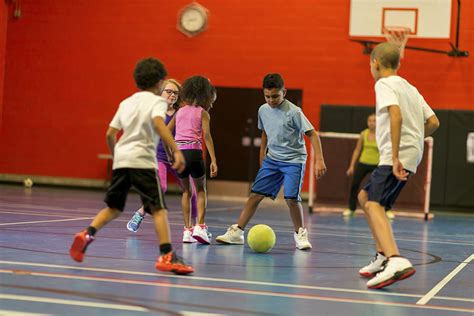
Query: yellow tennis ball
[(261, 238)]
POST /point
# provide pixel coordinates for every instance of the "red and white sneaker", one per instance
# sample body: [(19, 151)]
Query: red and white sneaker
[(375, 266), (201, 234), (79, 245), (172, 263), (396, 269), (188, 236)]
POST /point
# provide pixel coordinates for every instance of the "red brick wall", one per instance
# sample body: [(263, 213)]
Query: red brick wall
[(69, 63)]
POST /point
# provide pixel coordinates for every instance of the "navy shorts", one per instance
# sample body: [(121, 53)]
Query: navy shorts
[(194, 164), (273, 174), (383, 187), (145, 182)]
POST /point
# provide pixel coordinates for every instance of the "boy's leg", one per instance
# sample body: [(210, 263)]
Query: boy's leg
[(301, 234), (249, 209), (381, 228), (382, 190), (168, 260), (363, 199), (115, 200), (296, 213), (267, 183), (235, 233)]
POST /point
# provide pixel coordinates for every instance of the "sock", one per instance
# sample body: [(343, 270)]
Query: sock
[(240, 228), (91, 230), (395, 256), (165, 248), (381, 252)]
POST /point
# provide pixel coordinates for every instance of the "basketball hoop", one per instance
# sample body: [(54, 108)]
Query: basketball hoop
[(397, 35)]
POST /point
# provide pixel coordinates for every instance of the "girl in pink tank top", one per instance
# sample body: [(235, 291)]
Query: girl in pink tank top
[(192, 125)]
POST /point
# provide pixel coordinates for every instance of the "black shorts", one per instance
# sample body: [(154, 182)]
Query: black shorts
[(383, 187), (146, 183), (194, 164)]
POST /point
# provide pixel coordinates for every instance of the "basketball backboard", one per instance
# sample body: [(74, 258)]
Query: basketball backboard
[(425, 18)]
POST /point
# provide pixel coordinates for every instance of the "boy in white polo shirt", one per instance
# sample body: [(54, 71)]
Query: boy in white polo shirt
[(404, 119)]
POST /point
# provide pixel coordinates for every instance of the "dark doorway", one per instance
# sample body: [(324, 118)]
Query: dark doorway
[(235, 133)]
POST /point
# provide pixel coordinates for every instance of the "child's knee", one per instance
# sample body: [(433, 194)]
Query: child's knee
[(292, 202), (363, 198)]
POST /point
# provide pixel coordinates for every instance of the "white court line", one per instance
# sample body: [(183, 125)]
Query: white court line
[(5, 312), (223, 280), (253, 293), (425, 299), (71, 302), (25, 212), (48, 221)]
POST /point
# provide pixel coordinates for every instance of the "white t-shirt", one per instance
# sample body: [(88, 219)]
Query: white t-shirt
[(395, 90), (136, 147)]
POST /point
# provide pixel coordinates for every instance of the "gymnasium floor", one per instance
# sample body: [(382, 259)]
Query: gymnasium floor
[(118, 276)]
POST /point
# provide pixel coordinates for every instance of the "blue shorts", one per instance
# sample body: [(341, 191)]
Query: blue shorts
[(383, 187), (273, 174)]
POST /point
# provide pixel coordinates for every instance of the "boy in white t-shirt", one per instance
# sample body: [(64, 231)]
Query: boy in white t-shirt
[(140, 117), (403, 120)]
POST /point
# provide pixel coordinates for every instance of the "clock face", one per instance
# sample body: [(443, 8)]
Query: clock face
[(193, 20)]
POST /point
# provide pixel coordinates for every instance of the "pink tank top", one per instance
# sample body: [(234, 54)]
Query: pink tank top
[(189, 127)]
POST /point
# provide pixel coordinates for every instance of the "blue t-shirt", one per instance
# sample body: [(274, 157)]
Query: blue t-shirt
[(285, 127), (160, 152)]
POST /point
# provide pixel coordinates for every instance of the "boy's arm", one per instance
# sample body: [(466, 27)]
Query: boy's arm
[(111, 137), (355, 155), (320, 166), (206, 129), (168, 140), (431, 125), (395, 135), (263, 147)]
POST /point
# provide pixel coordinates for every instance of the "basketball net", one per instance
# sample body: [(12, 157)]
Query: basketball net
[(397, 35)]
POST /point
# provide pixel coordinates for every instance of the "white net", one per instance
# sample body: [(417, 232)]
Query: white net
[(397, 35), (331, 193)]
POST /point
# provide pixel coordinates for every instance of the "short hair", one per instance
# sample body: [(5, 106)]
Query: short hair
[(148, 72), (177, 104), (387, 54), (199, 90), (273, 80)]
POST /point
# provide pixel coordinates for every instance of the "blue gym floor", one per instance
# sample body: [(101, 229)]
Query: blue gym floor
[(117, 277)]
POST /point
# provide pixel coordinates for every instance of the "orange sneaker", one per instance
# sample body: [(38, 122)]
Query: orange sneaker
[(79, 245), (172, 263)]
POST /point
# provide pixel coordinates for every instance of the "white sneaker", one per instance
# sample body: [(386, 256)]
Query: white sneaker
[(390, 214), (375, 266), (233, 236), (200, 233), (396, 269), (301, 239), (188, 236), (348, 212)]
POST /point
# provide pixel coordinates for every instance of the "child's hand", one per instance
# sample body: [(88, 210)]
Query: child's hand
[(350, 171), (320, 169), (398, 171), (178, 162), (213, 169)]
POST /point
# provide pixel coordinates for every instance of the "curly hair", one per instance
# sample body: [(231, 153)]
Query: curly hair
[(198, 90), (178, 102), (148, 72)]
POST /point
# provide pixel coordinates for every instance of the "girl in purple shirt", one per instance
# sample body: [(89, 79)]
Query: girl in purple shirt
[(170, 92)]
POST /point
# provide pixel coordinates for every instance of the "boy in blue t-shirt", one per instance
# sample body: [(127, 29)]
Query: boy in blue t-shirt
[(282, 160)]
